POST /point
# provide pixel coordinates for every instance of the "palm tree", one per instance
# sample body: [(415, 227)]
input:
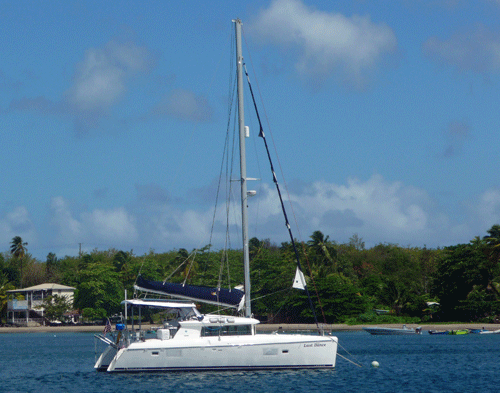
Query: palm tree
[(493, 255), (5, 286), (18, 250), (323, 248)]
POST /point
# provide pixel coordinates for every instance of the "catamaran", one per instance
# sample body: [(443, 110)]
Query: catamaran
[(191, 341)]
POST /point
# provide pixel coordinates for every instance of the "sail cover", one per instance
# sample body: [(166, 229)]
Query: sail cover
[(227, 297)]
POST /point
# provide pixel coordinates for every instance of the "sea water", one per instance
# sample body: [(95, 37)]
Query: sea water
[(63, 362)]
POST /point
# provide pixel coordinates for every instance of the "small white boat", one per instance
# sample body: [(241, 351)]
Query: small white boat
[(376, 330), (490, 331)]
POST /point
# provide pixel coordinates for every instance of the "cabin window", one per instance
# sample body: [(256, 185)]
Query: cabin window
[(232, 330), (155, 353)]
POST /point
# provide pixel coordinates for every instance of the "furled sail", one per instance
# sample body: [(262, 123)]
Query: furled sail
[(227, 297)]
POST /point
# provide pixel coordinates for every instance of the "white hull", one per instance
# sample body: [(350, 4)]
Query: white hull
[(229, 353), (490, 332), (391, 331)]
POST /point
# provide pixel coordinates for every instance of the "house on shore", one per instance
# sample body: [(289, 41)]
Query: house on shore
[(24, 306)]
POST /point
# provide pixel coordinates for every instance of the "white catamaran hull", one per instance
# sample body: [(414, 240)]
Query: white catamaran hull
[(229, 353)]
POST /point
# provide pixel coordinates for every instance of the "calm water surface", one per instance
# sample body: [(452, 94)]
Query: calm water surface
[(43, 362)]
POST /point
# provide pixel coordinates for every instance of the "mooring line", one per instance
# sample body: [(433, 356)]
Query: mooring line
[(349, 360)]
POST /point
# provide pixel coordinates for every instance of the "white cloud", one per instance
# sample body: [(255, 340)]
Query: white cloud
[(114, 226), (173, 228), (184, 105), (326, 42), (69, 229), (377, 210), (486, 210), (17, 223), (100, 81), (100, 78), (477, 50)]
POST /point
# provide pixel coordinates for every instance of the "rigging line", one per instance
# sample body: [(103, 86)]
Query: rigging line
[(270, 294), (312, 278), (286, 186), (177, 268), (225, 153), (140, 270), (349, 360), (229, 172), (279, 310), (275, 179), (181, 162), (195, 251), (223, 161), (255, 216), (229, 191), (227, 162), (190, 266), (345, 350)]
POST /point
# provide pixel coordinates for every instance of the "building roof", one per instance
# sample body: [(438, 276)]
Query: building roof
[(43, 287)]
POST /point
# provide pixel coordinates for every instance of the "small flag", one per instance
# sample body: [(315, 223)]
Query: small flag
[(107, 328), (299, 282)]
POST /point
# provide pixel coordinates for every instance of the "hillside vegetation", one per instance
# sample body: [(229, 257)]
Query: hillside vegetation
[(347, 281)]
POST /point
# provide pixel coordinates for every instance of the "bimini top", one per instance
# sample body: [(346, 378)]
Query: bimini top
[(227, 297)]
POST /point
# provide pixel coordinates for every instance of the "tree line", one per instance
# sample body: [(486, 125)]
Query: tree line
[(346, 280)]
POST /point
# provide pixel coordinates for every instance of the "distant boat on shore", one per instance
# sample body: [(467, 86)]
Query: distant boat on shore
[(392, 331), (459, 332), (439, 332), (490, 331)]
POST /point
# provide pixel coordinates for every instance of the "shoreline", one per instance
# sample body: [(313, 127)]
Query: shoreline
[(260, 328)]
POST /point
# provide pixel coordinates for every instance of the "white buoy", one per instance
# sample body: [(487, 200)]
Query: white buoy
[(375, 364)]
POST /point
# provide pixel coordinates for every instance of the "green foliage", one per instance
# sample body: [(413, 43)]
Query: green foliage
[(5, 286), (339, 299), (346, 280), (99, 287), (371, 318), (466, 280), (55, 307), (51, 268), (18, 250), (18, 247), (90, 314)]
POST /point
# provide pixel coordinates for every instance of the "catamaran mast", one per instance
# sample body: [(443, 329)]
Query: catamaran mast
[(243, 169)]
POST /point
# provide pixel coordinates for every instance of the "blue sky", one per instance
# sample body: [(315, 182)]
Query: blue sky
[(384, 115)]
